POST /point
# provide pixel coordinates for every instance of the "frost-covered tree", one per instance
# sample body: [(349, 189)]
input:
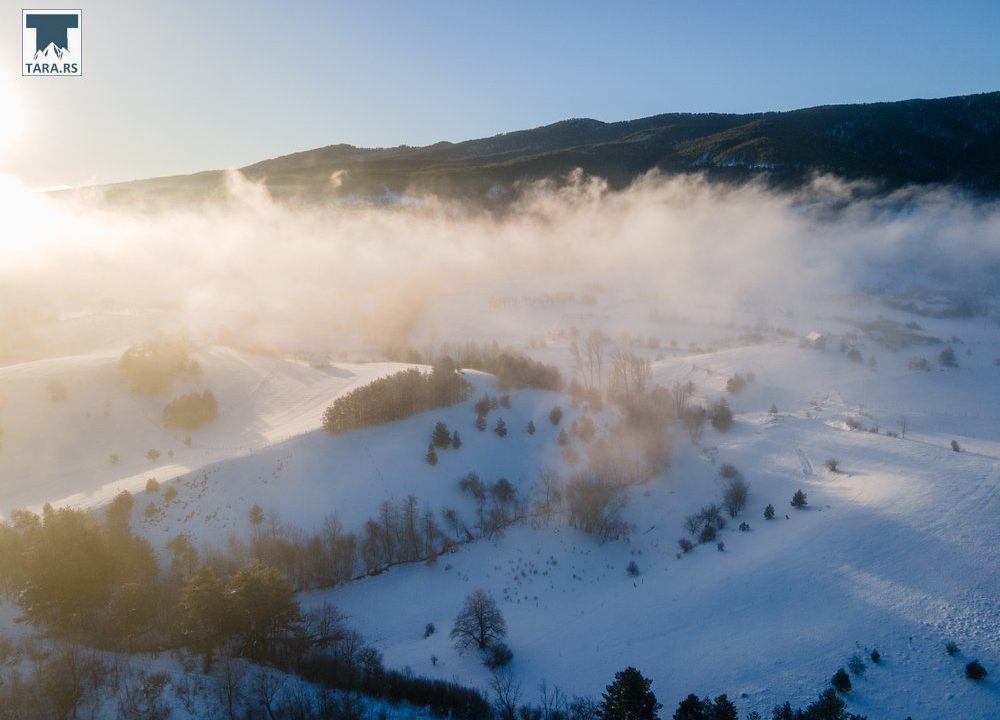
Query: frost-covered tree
[(799, 499)]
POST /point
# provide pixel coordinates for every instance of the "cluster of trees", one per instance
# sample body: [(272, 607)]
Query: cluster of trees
[(487, 404), (497, 508), (736, 491), (152, 367), (396, 397), (441, 438), (191, 411), (84, 578), (78, 576), (694, 416), (630, 697), (703, 526), (595, 505), (513, 370), (400, 533), (309, 560)]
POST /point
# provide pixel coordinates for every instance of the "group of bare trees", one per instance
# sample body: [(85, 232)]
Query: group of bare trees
[(400, 533), (498, 506)]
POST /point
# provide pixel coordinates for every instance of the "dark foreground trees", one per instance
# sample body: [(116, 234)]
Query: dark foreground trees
[(629, 697)]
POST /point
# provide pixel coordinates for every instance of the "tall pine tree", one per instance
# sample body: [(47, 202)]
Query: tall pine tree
[(629, 698)]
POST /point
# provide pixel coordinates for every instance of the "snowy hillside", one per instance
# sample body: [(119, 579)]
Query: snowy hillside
[(897, 549)]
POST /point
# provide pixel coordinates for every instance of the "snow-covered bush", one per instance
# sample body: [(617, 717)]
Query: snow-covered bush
[(975, 671), (799, 499), (498, 655), (841, 681)]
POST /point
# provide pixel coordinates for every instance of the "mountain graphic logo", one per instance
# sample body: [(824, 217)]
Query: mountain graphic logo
[(51, 33), (52, 42)]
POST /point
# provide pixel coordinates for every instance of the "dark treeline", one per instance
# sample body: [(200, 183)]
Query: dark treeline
[(396, 397), (512, 369)]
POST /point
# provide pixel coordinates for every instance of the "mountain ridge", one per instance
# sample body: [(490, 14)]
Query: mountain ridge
[(952, 141)]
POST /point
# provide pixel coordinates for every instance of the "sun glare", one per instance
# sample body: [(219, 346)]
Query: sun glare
[(11, 118)]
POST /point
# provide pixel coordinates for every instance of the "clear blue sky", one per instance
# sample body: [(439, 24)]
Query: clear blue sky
[(176, 86)]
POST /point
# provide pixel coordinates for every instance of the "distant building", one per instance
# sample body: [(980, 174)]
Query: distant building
[(814, 340)]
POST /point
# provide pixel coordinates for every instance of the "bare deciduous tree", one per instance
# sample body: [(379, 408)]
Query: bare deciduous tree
[(479, 623)]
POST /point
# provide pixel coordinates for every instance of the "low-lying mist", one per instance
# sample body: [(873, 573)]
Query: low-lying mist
[(360, 279)]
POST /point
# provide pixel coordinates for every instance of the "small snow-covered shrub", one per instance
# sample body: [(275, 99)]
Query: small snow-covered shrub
[(498, 655), (841, 681), (736, 384), (769, 512), (429, 630), (707, 534), (876, 656), (832, 464), (799, 499), (685, 545), (152, 486), (633, 568), (555, 415), (728, 471), (951, 648), (955, 446), (856, 665), (975, 671), (947, 358)]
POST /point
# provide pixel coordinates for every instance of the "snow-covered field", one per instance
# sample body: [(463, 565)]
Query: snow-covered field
[(898, 550)]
